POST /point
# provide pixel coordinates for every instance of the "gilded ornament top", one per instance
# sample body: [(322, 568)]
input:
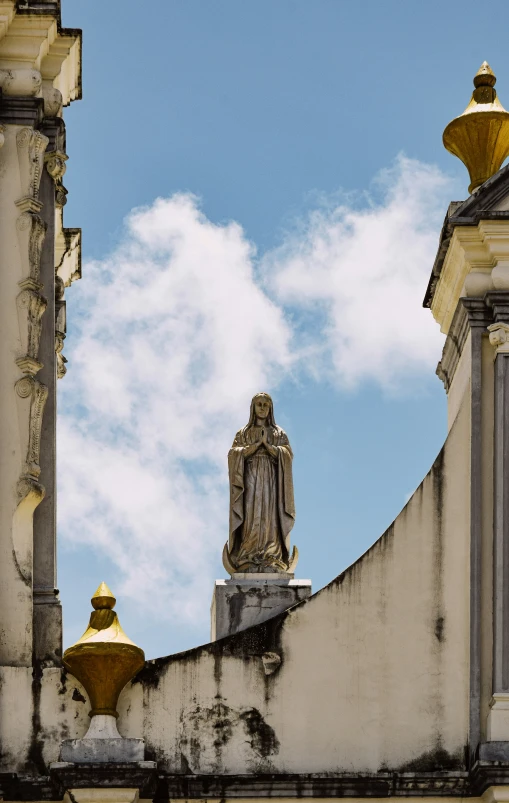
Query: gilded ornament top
[(480, 136), (104, 659), (104, 625)]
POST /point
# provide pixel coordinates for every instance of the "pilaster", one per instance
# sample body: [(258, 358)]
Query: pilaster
[(47, 609), (479, 317), (40, 64), (24, 394), (498, 718)]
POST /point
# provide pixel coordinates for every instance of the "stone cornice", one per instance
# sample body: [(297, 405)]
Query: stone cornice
[(39, 58), (478, 206), (477, 261)]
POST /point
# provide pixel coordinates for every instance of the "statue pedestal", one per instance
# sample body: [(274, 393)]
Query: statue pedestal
[(249, 599)]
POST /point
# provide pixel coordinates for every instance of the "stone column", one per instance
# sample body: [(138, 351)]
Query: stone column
[(22, 308), (478, 319), (47, 608), (498, 719)]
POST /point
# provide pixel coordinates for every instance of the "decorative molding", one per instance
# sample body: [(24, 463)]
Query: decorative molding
[(24, 82), (22, 111), (476, 262), (31, 306), (33, 392), (499, 337), (498, 300), (31, 145)]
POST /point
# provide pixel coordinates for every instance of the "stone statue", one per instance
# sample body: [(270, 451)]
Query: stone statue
[(262, 510)]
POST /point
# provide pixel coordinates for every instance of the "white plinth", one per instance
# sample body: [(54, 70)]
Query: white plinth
[(249, 599), (498, 718), (102, 744)]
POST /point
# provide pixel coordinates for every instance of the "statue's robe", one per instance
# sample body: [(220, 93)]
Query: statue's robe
[(262, 509)]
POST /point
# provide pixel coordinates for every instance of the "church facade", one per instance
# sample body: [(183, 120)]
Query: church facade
[(390, 682)]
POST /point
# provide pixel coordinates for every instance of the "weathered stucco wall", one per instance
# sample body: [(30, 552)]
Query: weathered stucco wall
[(374, 667), (373, 675)]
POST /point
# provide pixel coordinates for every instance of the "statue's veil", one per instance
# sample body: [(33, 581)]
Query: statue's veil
[(252, 414)]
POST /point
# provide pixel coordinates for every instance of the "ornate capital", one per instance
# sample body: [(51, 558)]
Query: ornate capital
[(499, 337)]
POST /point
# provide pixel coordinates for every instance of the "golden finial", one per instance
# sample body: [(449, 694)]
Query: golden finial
[(480, 136), (104, 659), (103, 598)]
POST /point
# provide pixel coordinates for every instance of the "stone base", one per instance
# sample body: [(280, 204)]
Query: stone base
[(47, 627), (102, 751), (498, 718), (100, 782), (249, 599)]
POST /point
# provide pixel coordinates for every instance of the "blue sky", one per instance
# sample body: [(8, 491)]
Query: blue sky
[(296, 147)]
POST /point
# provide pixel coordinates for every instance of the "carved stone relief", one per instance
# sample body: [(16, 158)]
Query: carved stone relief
[(30, 302), (34, 393), (31, 145), (499, 337), (31, 230), (31, 306), (55, 165)]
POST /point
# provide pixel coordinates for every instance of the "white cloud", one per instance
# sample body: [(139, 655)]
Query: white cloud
[(176, 331), (364, 265), (175, 338)]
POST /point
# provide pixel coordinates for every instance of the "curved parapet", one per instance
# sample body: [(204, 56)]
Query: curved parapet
[(369, 673)]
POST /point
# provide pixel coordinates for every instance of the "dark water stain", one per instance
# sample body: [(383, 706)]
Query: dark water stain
[(77, 696), (435, 760), (35, 756), (263, 738)]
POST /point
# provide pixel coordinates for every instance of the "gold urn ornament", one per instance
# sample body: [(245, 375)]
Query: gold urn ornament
[(104, 659), (480, 136)]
